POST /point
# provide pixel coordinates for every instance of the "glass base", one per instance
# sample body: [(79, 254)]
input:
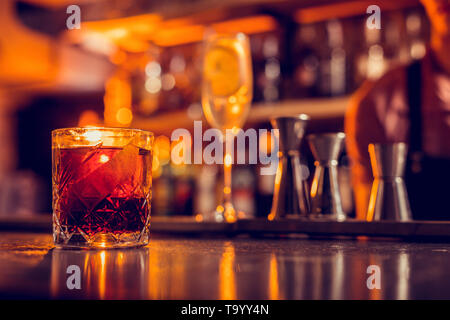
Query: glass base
[(80, 240), (101, 244)]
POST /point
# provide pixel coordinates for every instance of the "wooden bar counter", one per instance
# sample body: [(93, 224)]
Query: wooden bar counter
[(228, 265)]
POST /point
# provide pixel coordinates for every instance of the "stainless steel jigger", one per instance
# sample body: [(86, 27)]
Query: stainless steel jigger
[(388, 198), (290, 195), (325, 195)]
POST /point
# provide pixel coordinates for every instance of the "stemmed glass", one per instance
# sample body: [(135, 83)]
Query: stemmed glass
[(227, 90)]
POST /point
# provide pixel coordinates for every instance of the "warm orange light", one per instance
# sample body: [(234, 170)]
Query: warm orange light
[(248, 25), (178, 149), (235, 130), (102, 275), (228, 161), (362, 238), (265, 142), (156, 173), (375, 294), (164, 282), (153, 85), (232, 99), (274, 290), (132, 34), (314, 187), (178, 36), (182, 31), (230, 215), (129, 34), (155, 273), (235, 109), (177, 22), (278, 174), (155, 163), (92, 135), (134, 45), (88, 118), (345, 9), (118, 57), (372, 201), (117, 96), (227, 276), (162, 149), (103, 158), (116, 33), (325, 12), (124, 116), (227, 190), (141, 24)]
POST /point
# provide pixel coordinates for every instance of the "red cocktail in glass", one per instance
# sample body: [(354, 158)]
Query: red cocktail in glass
[(101, 187)]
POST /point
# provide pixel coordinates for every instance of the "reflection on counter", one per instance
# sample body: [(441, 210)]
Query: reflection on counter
[(247, 269), (112, 274)]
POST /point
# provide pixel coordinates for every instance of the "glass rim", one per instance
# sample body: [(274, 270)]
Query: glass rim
[(113, 129)]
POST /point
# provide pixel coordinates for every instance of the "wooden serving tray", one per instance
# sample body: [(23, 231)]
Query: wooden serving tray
[(261, 227)]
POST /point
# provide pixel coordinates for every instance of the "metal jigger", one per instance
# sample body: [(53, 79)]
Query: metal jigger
[(325, 195), (388, 198), (290, 195)]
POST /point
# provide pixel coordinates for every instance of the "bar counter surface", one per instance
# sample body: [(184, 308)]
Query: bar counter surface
[(225, 268)]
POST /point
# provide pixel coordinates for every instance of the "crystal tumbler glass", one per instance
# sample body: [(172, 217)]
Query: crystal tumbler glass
[(102, 184)]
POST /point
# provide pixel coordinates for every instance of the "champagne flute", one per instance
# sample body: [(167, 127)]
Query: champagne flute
[(227, 90)]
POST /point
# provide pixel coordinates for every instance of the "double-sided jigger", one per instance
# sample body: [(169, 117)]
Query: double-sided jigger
[(325, 195), (388, 198), (290, 194)]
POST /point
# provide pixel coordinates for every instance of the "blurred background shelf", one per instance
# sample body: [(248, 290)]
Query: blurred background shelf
[(57, 58), (179, 225), (138, 64), (316, 108)]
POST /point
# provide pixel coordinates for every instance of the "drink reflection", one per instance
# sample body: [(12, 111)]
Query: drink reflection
[(105, 274), (227, 274), (215, 269)]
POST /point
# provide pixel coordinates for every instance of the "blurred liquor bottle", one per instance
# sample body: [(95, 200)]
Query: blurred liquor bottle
[(205, 199), (266, 59), (243, 191), (173, 191), (180, 77), (394, 40), (163, 80), (184, 185), (320, 61), (135, 85), (371, 61), (163, 195), (264, 192), (334, 65), (417, 35), (305, 80)]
